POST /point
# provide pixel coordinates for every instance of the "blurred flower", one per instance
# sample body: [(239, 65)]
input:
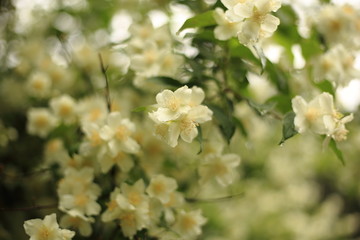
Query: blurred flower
[(188, 224), (220, 167), (161, 188), (40, 121)]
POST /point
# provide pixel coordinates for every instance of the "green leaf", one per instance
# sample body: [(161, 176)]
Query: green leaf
[(337, 151), (260, 53), (202, 20), (199, 138), (240, 126), (283, 102), (278, 77), (240, 51), (142, 109), (167, 81), (225, 120), (325, 86), (288, 127), (261, 109)]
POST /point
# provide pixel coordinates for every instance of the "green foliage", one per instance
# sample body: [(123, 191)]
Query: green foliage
[(225, 120), (288, 129), (199, 138), (325, 86), (201, 20), (168, 81), (337, 151)]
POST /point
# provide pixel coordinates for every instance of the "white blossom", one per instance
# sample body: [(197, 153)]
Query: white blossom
[(161, 187), (46, 229), (219, 167), (320, 116), (188, 224), (118, 133), (40, 121)]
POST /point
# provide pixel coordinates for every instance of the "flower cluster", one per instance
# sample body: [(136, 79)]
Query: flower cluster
[(336, 65), (151, 51), (179, 113), (320, 116), (250, 20), (137, 208), (339, 24), (78, 194)]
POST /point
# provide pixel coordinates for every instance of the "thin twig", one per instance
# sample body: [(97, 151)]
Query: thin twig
[(2, 172), (38, 207), (107, 89), (67, 54), (212, 200)]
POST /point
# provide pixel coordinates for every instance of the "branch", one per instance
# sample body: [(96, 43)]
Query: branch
[(37, 207), (213, 200), (24, 175), (107, 90)]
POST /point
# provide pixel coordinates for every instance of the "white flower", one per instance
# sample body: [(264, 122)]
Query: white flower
[(186, 126), (311, 115), (47, 229), (133, 220), (113, 210), (226, 29), (82, 225), (255, 21), (170, 63), (179, 114), (92, 140), (188, 224), (121, 159), (135, 194), (161, 188), (339, 132), (172, 104), (320, 116), (92, 110), (338, 24), (131, 207), (64, 107), (40, 121), (78, 194), (147, 62), (222, 168), (336, 65), (39, 85), (118, 132)]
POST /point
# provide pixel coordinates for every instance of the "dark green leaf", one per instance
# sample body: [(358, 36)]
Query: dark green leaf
[(199, 138), (311, 46), (325, 86), (261, 109), (283, 102), (242, 52), (278, 77), (225, 121), (203, 35), (337, 151), (167, 81), (240, 126), (201, 20), (288, 127)]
